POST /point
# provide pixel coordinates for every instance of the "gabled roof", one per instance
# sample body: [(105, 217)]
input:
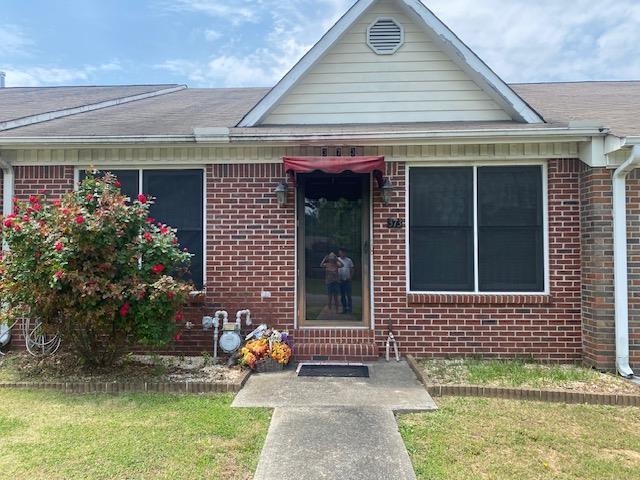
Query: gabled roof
[(613, 105), (457, 51)]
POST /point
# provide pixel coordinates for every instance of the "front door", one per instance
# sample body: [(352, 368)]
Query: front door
[(333, 249)]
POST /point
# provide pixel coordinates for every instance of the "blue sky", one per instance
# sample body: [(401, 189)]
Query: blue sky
[(220, 43)]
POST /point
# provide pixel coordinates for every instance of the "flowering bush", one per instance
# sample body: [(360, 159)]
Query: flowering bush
[(94, 267), (272, 344)]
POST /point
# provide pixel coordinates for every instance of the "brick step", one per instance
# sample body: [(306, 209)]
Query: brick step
[(333, 335), (341, 352)]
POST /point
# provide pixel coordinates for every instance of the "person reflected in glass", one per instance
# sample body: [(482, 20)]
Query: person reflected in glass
[(332, 264), (345, 275)]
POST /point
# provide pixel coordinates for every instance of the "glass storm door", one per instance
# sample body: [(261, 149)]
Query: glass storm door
[(333, 249)]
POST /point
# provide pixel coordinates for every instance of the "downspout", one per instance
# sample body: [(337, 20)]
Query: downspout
[(7, 209), (7, 187), (621, 287)]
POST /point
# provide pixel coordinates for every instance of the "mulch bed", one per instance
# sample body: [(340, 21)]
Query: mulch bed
[(135, 373)]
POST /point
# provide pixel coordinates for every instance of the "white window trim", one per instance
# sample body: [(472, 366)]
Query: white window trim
[(475, 165), (76, 180)]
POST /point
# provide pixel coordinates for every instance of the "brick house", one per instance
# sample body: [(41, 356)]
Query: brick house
[(475, 216)]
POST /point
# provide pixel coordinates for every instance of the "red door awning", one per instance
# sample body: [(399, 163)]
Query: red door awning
[(335, 165)]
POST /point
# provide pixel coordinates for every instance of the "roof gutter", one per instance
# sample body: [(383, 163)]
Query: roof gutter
[(505, 135), (621, 286), (224, 135)]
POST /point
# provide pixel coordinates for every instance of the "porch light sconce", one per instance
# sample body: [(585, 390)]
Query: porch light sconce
[(387, 191), (281, 193)]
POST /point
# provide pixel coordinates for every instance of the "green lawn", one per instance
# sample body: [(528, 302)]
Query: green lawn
[(471, 438), (520, 373), (48, 435)]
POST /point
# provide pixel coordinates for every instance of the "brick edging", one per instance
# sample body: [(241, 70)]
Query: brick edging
[(133, 387), (557, 396)]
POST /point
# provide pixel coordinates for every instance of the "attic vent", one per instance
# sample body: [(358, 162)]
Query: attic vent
[(385, 36)]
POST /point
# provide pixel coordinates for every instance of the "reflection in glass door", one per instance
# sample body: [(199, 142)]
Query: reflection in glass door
[(333, 249)]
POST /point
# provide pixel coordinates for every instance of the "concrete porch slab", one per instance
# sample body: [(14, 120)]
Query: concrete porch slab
[(334, 443), (391, 385)]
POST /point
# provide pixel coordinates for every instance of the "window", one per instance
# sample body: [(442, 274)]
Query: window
[(179, 203), (492, 244)]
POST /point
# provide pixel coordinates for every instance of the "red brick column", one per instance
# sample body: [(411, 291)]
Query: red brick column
[(597, 267)]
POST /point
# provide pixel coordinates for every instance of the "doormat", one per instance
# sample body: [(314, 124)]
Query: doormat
[(319, 370)]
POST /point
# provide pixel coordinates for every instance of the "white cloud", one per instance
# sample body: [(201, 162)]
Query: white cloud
[(212, 35), (237, 12), (293, 29), (13, 40), (41, 76), (549, 40)]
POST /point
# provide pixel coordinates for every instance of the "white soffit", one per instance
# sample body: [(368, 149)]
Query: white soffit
[(457, 51)]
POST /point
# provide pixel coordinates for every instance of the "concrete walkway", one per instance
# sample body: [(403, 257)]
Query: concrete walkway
[(336, 428)]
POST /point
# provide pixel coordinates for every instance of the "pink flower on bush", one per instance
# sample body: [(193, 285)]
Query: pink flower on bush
[(147, 236), (89, 197), (164, 230), (159, 268), (58, 275), (117, 184), (142, 198), (8, 222), (124, 309), (179, 317), (25, 218), (178, 337), (17, 228), (33, 199), (79, 219), (57, 202), (151, 220), (170, 295), (58, 246)]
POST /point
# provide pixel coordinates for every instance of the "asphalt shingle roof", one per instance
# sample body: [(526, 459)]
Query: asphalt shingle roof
[(614, 104), (23, 102)]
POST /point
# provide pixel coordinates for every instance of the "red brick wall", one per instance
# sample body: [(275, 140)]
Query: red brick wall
[(250, 242), (56, 180), (546, 328), (251, 248)]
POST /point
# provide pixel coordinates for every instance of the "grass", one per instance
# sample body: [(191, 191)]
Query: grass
[(471, 438), (520, 373), (48, 435)]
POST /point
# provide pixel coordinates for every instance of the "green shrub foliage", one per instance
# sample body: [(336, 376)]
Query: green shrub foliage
[(95, 268)]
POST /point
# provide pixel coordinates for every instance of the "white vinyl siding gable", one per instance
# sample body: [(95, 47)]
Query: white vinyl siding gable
[(353, 84)]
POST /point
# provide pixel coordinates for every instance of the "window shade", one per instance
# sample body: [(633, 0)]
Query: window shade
[(179, 203), (510, 229), (441, 236)]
